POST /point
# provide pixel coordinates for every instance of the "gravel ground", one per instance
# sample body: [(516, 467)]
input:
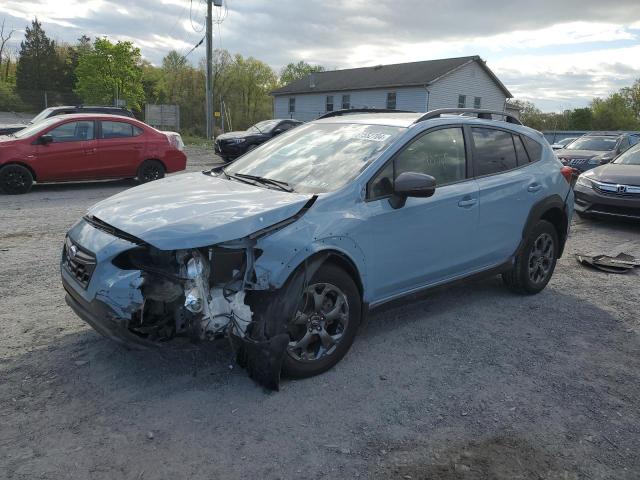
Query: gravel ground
[(470, 382)]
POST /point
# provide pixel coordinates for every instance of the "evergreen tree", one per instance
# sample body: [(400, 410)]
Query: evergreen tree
[(38, 64)]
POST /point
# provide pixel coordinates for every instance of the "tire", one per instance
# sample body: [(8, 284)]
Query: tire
[(15, 179), (311, 324), (150, 170), (535, 263)]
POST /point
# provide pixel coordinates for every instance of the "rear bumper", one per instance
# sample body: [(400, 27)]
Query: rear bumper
[(590, 202)]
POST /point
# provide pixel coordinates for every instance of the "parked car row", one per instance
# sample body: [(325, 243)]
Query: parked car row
[(596, 148)]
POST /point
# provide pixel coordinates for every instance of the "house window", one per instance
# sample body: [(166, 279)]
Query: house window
[(462, 101), (329, 104), (346, 102), (391, 100), (477, 102), (292, 104)]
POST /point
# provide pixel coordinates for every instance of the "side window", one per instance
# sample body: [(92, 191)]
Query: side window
[(117, 130), (624, 144), (534, 149), (329, 103), (462, 101), (382, 185), (477, 102), (292, 105), (73, 132), (521, 152), (633, 139), (391, 100), (346, 102), (439, 153), (494, 151)]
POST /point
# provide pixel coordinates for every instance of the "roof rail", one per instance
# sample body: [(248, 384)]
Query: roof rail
[(347, 111), (483, 114)]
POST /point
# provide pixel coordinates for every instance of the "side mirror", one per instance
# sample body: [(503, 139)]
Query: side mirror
[(278, 131), (411, 184), (45, 139)]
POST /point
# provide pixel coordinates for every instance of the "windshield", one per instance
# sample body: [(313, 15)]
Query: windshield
[(600, 144), (317, 157), (35, 128), (42, 115), (630, 157), (263, 127)]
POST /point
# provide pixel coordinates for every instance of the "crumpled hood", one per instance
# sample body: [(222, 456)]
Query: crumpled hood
[(615, 173), (195, 210)]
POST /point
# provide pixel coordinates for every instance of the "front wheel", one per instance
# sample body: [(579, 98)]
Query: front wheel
[(324, 325), (15, 179), (150, 170), (536, 261)]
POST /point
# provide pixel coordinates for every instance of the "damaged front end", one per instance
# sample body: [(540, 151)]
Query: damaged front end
[(137, 294)]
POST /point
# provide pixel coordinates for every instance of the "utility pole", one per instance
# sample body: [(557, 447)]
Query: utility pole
[(209, 76)]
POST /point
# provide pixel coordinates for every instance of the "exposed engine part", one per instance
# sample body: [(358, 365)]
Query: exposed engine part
[(218, 308)]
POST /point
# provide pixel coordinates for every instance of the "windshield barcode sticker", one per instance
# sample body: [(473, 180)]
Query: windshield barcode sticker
[(374, 137)]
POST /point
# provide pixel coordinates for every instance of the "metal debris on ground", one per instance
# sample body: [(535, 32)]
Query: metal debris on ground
[(621, 263)]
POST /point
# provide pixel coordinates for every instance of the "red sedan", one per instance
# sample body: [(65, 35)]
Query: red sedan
[(87, 147)]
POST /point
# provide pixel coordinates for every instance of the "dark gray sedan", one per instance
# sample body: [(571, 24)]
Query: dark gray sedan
[(611, 190)]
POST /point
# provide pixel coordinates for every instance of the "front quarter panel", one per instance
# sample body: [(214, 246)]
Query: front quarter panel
[(322, 229)]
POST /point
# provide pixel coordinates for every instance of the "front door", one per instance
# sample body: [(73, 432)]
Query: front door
[(71, 155), (428, 240)]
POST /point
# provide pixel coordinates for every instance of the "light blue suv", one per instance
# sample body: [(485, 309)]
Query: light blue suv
[(287, 249)]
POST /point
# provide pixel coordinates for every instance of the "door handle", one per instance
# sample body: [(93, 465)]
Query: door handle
[(467, 202), (534, 187)]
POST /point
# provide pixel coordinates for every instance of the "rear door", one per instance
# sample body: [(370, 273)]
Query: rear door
[(121, 148), (509, 185), (72, 154)]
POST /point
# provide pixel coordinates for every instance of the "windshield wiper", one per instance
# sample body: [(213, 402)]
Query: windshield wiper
[(284, 186)]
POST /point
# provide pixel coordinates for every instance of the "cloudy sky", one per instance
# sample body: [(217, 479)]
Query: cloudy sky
[(558, 54)]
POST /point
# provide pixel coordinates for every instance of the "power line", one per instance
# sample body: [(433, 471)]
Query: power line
[(193, 48)]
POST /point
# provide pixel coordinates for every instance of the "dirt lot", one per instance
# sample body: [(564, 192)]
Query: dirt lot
[(470, 382)]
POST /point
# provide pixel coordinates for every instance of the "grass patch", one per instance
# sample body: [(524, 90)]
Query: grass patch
[(197, 141)]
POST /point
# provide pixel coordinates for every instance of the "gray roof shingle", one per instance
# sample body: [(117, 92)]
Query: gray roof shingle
[(383, 76)]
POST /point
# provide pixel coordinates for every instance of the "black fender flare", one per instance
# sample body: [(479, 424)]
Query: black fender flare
[(542, 209)]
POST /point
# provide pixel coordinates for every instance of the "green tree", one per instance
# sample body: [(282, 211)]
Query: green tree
[(296, 71), (38, 64), (631, 97), (111, 71), (613, 113), (581, 119)]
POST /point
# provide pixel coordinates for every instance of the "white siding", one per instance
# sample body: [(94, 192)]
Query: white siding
[(311, 105), (470, 80)]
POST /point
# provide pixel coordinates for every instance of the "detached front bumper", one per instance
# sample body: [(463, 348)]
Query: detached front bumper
[(589, 201)]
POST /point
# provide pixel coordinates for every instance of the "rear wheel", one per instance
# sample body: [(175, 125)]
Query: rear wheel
[(15, 179), (324, 325), (150, 170), (536, 262)]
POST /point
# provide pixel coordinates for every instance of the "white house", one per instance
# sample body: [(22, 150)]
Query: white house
[(416, 86)]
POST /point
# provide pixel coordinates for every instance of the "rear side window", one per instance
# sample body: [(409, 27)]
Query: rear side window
[(534, 149), (119, 130), (521, 152), (494, 151)]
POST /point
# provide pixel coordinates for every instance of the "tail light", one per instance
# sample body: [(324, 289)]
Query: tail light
[(570, 175), (175, 140)]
